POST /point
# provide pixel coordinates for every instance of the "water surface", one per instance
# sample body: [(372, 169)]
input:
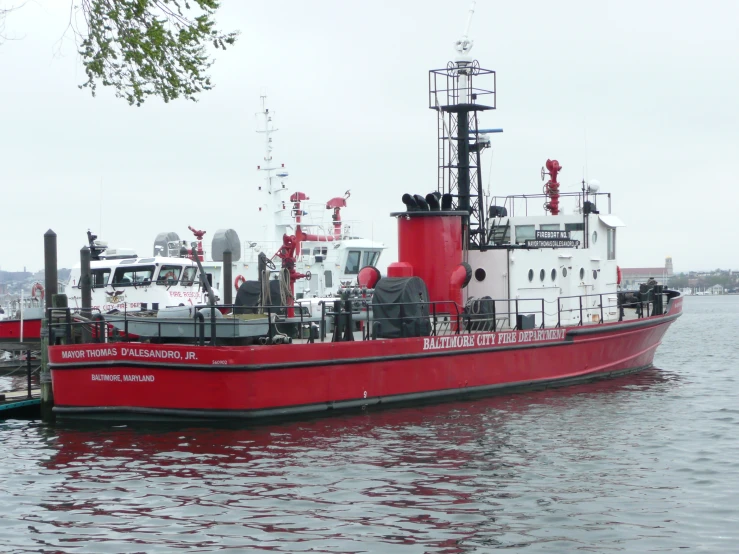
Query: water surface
[(644, 463)]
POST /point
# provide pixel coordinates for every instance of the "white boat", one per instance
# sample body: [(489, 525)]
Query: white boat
[(123, 281), (323, 252)]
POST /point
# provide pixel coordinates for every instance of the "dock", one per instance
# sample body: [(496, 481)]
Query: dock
[(26, 401), (19, 404)]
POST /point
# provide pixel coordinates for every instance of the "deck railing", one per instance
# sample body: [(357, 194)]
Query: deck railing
[(344, 320)]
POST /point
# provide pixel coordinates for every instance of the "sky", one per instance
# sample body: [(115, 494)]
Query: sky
[(641, 96)]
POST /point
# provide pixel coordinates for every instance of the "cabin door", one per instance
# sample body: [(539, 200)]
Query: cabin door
[(568, 307)]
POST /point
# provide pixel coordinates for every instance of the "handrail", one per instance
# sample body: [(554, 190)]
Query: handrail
[(442, 318)]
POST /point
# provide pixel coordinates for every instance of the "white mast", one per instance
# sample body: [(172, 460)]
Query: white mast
[(275, 206), (463, 60)]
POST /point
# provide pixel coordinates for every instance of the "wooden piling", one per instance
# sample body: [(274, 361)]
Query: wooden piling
[(85, 290), (51, 280)]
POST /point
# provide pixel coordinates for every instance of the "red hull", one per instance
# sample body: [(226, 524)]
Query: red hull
[(10, 329), (259, 381)]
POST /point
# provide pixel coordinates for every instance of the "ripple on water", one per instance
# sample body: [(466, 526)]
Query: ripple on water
[(648, 462)]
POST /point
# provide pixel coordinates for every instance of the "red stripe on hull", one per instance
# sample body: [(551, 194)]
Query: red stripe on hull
[(10, 329), (282, 377)]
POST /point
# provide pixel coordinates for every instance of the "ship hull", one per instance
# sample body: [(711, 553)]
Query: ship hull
[(133, 379)]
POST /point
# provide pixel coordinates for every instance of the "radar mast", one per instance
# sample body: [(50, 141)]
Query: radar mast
[(457, 102)]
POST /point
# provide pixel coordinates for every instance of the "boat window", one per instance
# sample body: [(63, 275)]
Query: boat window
[(611, 244), (595, 237), (370, 258), (564, 272), (100, 277), (595, 274), (188, 276), (554, 275), (480, 274), (574, 227), (328, 278), (524, 233), (531, 275), (582, 273), (133, 276), (146, 260), (352, 262), (549, 227), (542, 274), (126, 262), (169, 275)]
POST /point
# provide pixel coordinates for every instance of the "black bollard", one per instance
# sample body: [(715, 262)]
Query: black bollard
[(338, 322), (348, 334), (227, 277)]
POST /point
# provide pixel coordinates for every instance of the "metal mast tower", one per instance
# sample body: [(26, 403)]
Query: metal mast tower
[(460, 142), (274, 210)]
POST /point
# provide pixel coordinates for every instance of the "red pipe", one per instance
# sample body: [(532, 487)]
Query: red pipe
[(459, 279), (336, 203), (552, 187)]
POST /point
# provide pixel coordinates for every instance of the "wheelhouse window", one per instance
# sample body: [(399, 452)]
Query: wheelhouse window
[(169, 275), (370, 258), (133, 276), (549, 227), (611, 243), (574, 227), (320, 250), (524, 233), (188, 276), (352, 262), (100, 277)]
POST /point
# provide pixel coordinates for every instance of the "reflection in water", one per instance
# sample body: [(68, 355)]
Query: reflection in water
[(442, 478), (647, 462)]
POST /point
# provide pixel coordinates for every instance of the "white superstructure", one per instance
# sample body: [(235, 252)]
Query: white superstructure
[(330, 251), (133, 283)]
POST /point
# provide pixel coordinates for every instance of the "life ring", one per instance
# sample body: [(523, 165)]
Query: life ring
[(38, 291), (619, 276), (240, 280)]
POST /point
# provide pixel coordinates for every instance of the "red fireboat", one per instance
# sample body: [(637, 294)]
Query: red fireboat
[(486, 297)]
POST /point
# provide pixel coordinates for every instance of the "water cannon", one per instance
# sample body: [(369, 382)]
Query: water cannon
[(198, 234)]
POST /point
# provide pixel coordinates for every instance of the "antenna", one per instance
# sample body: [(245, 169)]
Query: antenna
[(464, 45), (585, 169), (100, 226)]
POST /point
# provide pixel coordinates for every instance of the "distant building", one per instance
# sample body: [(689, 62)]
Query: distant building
[(716, 289), (632, 277)]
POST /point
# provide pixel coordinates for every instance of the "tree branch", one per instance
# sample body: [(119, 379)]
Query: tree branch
[(148, 48)]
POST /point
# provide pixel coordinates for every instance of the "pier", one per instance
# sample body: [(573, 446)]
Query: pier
[(24, 401)]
